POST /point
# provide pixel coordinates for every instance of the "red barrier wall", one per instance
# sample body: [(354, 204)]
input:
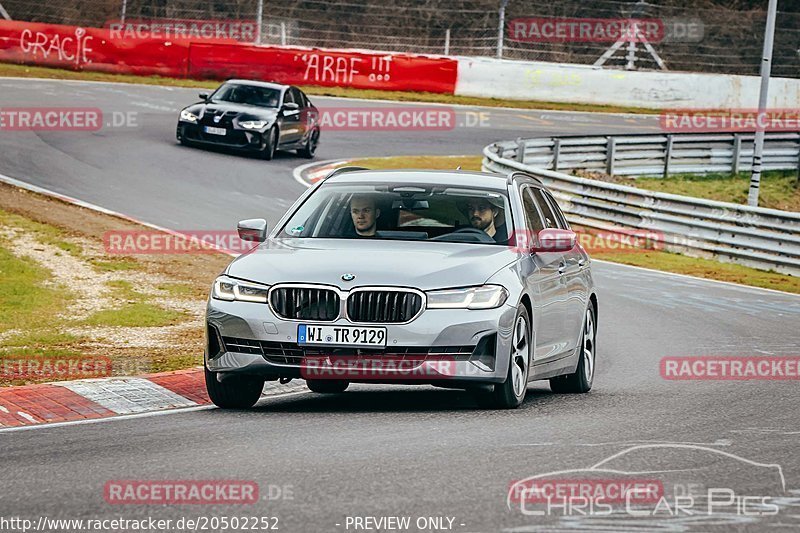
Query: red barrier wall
[(97, 49)]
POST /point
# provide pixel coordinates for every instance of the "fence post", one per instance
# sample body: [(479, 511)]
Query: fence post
[(737, 150), (501, 28), (610, 153), (447, 42), (520, 150), (668, 155), (123, 12), (259, 20), (283, 33), (556, 153)]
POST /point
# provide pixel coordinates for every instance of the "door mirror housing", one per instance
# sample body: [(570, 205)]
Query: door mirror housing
[(254, 230), (291, 106), (554, 240), (203, 96)]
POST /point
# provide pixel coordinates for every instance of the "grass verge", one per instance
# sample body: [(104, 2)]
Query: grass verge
[(655, 259), (25, 71)]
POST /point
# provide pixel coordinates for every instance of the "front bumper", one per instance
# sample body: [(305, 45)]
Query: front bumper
[(235, 138), (440, 346)]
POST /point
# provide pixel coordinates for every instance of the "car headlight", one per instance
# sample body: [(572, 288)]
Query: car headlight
[(253, 124), (229, 289), (188, 117), (483, 297)]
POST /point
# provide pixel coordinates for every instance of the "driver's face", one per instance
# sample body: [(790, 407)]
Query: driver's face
[(364, 215), (480, 213)]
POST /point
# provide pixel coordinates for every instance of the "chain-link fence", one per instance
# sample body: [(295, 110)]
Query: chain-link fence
[(702, 35)]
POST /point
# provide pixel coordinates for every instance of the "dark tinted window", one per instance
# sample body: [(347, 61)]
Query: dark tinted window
[(246, 94), (560, 218), (288, 97), (550, 220), (532, 216), (298, 96)]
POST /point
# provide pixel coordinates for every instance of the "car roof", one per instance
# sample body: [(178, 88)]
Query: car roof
[(268, 84), (455, 178)]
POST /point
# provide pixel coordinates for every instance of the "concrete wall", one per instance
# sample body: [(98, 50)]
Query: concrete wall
[(551, 82)]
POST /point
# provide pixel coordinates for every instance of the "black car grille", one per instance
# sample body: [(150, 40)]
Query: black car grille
[(383, 306), (288, 353), (302, 303)]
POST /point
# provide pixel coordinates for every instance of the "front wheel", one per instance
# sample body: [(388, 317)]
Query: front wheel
[(235, 392), (580, 381), (270, 145), (511, 393)]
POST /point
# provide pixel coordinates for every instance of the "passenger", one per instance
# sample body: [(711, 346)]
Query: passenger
[(364, 212), (486, 214)]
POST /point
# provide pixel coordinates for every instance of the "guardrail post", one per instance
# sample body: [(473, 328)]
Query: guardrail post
[(610, 153), (556, 153), (737, 150), (667, 155), (520, 150)]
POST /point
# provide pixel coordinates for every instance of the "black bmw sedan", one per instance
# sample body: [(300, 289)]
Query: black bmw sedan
[(252, 116)]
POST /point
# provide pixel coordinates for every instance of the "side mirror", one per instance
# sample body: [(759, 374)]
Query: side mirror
[(254, 230), (203, 96), (555, 240), (291, 106)]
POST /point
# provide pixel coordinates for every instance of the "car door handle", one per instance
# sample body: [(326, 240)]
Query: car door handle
[(562, 268), (581, 262)]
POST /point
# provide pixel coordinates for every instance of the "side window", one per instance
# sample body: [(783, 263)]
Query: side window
[(306, 101), (532, 216), (560, 218), (550, 220), (297, 97), (288, 97)]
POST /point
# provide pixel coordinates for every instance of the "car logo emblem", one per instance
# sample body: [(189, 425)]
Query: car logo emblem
[(348, 277), (217, 118)]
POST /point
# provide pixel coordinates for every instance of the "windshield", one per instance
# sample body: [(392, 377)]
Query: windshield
[(414, 213), (247, 95)]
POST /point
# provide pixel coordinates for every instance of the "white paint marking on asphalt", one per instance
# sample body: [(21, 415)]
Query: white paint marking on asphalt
[(129, 417), (3, 408), (127, 395), (27, 417)]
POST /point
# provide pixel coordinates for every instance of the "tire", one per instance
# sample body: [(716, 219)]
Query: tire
[(327, 386), (511, 393), (236, 392), (581, 380), (310, 148), (268, 150)]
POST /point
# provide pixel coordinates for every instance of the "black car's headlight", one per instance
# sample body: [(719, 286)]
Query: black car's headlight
[(253, 124), (186, 116), (482, 297), (229, 289)]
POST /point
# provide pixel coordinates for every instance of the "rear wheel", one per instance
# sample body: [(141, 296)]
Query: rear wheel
[(235, 392), (511, 393), (581, 380), (327, 386), (310, 148)]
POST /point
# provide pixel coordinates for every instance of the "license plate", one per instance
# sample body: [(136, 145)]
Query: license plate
[(341, 335), (216, 131)]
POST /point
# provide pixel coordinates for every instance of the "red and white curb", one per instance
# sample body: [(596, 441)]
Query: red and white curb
[(90, 399), (310, 173)]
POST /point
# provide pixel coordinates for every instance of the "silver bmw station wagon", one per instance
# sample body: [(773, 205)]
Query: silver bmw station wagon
[(456, 279)]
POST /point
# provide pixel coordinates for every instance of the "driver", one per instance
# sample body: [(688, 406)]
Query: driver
[(483, 215), (364, 212)]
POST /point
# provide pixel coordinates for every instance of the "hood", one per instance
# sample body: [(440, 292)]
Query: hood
[(422, 265), (231, 110)]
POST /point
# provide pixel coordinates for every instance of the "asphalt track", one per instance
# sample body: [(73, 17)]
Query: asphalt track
[(405, 451)]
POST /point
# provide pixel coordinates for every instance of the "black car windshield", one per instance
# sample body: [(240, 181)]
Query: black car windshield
[(425, 212), (247, 94)]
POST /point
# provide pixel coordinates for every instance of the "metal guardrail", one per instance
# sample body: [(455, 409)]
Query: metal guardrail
[(768, 239), (646, 155)]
